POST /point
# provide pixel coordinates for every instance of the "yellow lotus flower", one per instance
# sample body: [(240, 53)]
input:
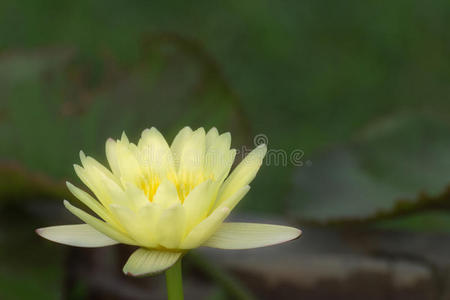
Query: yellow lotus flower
[(166, 200)]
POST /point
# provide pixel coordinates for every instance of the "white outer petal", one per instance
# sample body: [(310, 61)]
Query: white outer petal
[(250, 235), (80, 235), (148, 262)]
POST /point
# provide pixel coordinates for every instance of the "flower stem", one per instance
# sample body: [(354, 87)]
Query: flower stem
[(174, 282)]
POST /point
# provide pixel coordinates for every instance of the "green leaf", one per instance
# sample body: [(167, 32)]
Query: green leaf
[(396, 166)]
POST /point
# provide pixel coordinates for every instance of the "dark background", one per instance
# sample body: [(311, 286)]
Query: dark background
[(359, 89)]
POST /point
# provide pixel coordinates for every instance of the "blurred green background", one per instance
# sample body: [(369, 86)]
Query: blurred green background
[(360, 89)]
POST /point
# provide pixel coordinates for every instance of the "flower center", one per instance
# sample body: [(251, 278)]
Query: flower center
[(183, 185)]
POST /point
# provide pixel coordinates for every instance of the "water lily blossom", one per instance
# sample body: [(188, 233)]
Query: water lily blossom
[(166, 199)]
